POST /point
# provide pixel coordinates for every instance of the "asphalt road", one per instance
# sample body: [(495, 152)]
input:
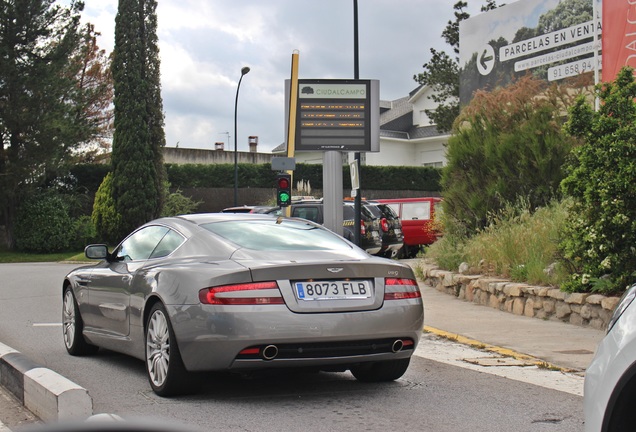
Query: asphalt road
[(433, 395)]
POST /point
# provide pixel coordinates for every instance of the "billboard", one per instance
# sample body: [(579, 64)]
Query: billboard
[(342, 115), (550, 39), (619, 36)]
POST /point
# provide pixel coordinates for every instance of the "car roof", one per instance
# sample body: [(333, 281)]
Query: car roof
[(201, 218), (406, 200)]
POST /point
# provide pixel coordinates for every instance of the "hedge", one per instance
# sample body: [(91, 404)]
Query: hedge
[(184, 176)]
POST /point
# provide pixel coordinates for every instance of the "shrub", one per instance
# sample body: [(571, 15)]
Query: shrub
[(507, 144), (176, 204), (107, 222), (84, 232), (599, 239), (517, 244), (43, 224), (262, 176)]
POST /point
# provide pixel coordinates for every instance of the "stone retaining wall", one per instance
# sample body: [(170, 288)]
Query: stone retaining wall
[(593, 310)]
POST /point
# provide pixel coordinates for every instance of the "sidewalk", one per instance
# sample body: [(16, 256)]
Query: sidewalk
[(560, 344)]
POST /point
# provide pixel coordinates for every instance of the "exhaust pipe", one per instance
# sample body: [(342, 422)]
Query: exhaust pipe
[(397, 345), (270, 352)]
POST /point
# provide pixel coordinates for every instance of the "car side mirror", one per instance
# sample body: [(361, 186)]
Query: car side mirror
[(96, 251)]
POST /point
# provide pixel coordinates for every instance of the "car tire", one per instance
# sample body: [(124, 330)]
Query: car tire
[(73, 326), (388, 370), (166, 372)]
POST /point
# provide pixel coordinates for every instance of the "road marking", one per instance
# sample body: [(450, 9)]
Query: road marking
[(505, 352), (451, 351), (47, 324)]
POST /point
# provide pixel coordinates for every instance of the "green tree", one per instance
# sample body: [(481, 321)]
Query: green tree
[(441, 72), (95, 95), (138, 172), (601, 235), (508, 145), (41, 105)]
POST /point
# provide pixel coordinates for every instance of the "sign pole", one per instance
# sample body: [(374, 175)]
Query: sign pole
[(291, 121), (356, 75)]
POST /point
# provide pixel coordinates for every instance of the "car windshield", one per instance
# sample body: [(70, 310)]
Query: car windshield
[(277, 234)]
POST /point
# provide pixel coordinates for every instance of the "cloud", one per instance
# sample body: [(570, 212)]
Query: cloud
[(204, 45)]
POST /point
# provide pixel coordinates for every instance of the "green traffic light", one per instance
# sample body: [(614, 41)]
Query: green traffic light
[(283, 197)]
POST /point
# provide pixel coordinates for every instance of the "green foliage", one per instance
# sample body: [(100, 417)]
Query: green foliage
[(508, 145), (41, 107), (44, 224), (600, 237), (84, 232), (50, 221), (517, 244), (138, 171), (178, 204), (87, 176), (106, 220), (262, 176)]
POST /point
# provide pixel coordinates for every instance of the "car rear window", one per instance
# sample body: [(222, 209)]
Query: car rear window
[(416, 211), (277, 234)]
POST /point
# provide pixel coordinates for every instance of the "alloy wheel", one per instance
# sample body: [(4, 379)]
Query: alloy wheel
[(68, 319), (158, 348)]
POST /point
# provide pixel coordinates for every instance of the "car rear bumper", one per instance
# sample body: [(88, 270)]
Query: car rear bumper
[(211, 340)]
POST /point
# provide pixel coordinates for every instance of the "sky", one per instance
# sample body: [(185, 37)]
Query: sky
[(204, 44)]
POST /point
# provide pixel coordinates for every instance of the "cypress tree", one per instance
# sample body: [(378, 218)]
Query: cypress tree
[(137, 159)]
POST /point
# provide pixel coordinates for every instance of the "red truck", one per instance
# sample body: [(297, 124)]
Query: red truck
[(417, 215)]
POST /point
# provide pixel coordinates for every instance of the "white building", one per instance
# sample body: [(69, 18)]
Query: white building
[(407, 138)]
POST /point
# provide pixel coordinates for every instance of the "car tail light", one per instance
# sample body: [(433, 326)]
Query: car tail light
[(401, 289), (242, 294), (384, 224), (363, 228)]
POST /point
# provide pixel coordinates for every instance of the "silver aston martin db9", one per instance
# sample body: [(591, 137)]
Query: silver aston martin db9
[(239, 292)]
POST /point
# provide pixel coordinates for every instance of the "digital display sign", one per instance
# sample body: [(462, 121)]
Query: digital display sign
[(338, 115)]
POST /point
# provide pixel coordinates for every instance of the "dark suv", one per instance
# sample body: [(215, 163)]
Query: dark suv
[(370, 237), (390, 228)]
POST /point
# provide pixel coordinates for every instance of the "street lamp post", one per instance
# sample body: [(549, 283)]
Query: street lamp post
[(244, 71)]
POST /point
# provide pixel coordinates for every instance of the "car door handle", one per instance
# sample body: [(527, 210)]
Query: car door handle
[(126, 278)]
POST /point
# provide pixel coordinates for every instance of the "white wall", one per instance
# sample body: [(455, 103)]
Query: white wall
[(421, 102), (431, 153), (392, 153)]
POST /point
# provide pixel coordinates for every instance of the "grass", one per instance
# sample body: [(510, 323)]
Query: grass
[(7, 256), (518, 245)]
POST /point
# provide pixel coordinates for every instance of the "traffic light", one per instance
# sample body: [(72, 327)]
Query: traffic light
[(283, 190)]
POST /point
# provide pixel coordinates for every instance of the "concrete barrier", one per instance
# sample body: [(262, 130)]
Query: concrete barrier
[(42, 391)]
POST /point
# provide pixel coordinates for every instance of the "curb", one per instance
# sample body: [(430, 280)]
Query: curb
[(505, 352), (45, 393)]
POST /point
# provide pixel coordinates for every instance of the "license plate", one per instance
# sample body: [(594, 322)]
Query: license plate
[(333, 290)]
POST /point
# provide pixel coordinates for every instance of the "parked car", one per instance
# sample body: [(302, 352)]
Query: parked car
[(370, 237), (239, 292), (417, 216), (610, 380), (390, 228)]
